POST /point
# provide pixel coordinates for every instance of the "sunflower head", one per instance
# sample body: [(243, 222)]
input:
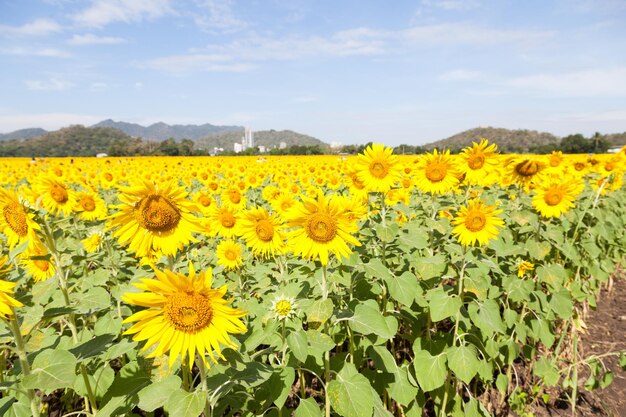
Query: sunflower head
[(229, 254), (377, 168), (284, 307), (477, 223), (183, 315)]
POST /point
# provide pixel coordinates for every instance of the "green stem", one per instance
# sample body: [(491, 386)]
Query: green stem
[(574, 372), (460, 294), (90, 401), (326, 381), (283, 336), (208, 411), (324, 282), (21, 354), (302, 384)]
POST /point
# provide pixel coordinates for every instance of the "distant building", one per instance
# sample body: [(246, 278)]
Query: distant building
[(238, 147), (282, 145), (614, 150), (248, 139), (262, 149), (101, 155)]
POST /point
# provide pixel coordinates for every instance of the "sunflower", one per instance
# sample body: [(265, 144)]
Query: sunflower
[(90, 206), (523, 170), (16, 222), (153, 219), (321, 227), (55, 196), (523, 267), (436, 173), (283, 307), (476, 223), (262, 232), (378, 168), (224, 221), (38, 263), (478, 162), (7, 302), (556, 197), (204, 202), (233, 197), (229, 255), (184, 315), (93, 242)]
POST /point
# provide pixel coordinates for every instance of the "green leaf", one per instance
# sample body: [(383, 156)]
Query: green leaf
[(561, 303), (122, 396), (553, 274), (188, 404), (538, 250), (416, 236), (376, 269), (541, 330), (93, 347), (463, 361), (502, 383), (308, 408), (400, 389), (403, 288), (351, 393), (282, 387), (96, 298), (486, 316), (320, 311), (387, 232), (298, 345), (547, 371), (100, 381), (155, 395), (430, 267), (367, 319), (52, 369), (431, 371), (441, 304)]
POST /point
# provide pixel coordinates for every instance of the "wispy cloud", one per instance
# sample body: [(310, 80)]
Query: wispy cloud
[(35, 51), (217, 16), (181, 64), (91, 39), (459, 75), (242, 54), (103, 12), (38, 27), (597, 82), (52, 84), (451, 4)]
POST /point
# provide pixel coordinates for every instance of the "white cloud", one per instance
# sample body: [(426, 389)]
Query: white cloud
[(240, 54), (452, 4), (597, 82), (180, 64), (38, 27), (49, 121), (52, 84), (43, 52), (98, 87), (459, 75), (217, 16), (91, 39), (103, 12)]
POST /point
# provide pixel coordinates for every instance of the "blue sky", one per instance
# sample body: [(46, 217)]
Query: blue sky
[(346, 71)]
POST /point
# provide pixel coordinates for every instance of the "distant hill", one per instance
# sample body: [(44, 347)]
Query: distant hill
[(74, 140), (161, 131), (520, 140), (23, 134), (268, 138), (617, 139)]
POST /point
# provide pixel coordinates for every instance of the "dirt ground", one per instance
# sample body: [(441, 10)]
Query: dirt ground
[(606, 333)]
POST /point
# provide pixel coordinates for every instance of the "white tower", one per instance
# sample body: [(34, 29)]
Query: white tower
[(248, 139)]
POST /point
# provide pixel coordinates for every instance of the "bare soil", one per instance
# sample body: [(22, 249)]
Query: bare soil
[(606, 332)]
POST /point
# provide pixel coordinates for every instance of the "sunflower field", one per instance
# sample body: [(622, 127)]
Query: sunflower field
[(371, 285)]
